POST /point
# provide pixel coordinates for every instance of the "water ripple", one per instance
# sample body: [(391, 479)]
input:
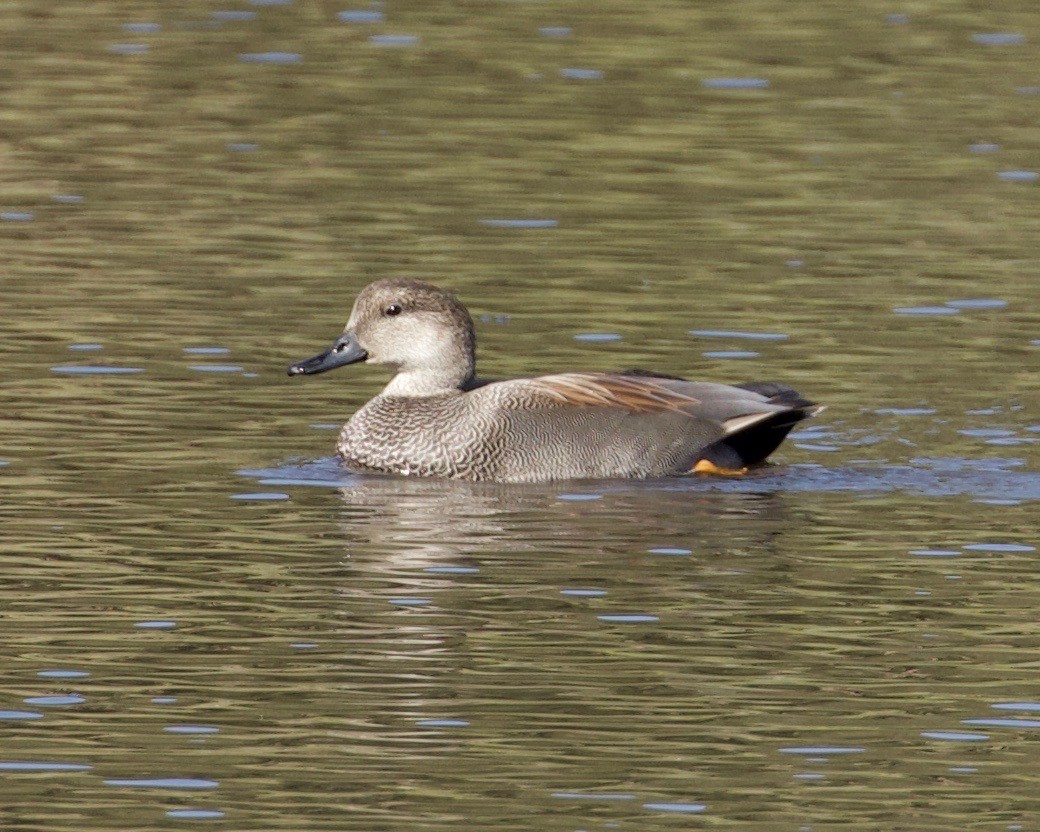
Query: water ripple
[(954, 736), (194, 814), (155, 625), (63, 674), (1003, 723), (580, 74), (393, 40), (733, 333), (361, 16), (684, 808), (519, 223), (55, 701), (25, 765), (271, 57), (925, 311), (443, 723), (998, 38), (191, 729), (1018, 175), (233, 16), (735, 83), (995, 477), (164, 783), (95, 370)]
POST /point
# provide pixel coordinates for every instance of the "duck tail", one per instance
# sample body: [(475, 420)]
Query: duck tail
[(753, 444), (778, 393)]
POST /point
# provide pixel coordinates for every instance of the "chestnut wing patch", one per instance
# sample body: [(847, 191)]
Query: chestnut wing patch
[(636, 394)]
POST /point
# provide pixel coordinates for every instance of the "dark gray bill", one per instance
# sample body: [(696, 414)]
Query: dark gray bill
[(345, 351)]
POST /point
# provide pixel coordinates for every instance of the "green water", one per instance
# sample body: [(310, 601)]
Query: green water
[(240, 205)]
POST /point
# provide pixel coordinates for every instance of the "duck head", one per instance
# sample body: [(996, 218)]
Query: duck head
[(422, 334)]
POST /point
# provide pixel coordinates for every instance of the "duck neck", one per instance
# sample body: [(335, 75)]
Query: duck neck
[(427, 382)]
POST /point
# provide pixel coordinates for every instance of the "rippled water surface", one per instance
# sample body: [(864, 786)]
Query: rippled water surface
[(208, 624)]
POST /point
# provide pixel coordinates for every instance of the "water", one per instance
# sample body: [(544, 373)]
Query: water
[(208, 623), (361, 16), (393, 40), (736, 83), (271, 57), (999, 38), (598, 337), (1018, 175), (216, 368), (233, 16), (581, 74), (129, 48), (731, 354), (752, 336)]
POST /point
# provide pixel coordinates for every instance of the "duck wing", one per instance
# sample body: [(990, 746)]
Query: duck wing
[(731, 407), (775, 391), (659, 424)]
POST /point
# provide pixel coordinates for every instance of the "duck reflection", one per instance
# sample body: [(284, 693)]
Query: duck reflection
[(411, 523), (468, 594)]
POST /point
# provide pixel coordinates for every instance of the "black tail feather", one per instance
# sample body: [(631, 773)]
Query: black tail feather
[(777, 393), (754, 444)]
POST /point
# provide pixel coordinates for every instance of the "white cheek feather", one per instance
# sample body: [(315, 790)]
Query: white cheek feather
[(420, 342), (404, 342)]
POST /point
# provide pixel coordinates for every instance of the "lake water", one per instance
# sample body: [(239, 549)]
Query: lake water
[(207, 624)]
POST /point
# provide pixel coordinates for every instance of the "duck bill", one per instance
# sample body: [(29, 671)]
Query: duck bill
[(345, 351)]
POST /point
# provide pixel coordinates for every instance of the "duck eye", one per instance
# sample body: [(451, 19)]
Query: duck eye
[(392, 309)]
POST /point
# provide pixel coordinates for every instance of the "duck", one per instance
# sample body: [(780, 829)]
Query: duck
[(436, 418)]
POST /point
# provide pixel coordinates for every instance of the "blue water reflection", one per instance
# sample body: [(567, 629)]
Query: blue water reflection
[(55, 701), (999, 38), (95, 370), (28, 765), (195, 814), (361, 16), (270, 57), (925, 311), (233, 16), (191, 729), (736, 83), (129, 48), (163, 783), (520, 223), (581, 74), (393, 40), (681, 808), (1003, 723), (598, 337), (1018, 175), (729, 333)]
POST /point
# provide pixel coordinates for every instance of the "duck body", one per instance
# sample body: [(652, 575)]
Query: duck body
[(434, 419)]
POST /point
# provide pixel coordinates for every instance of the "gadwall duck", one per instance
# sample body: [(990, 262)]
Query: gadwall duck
[(435, 419)]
